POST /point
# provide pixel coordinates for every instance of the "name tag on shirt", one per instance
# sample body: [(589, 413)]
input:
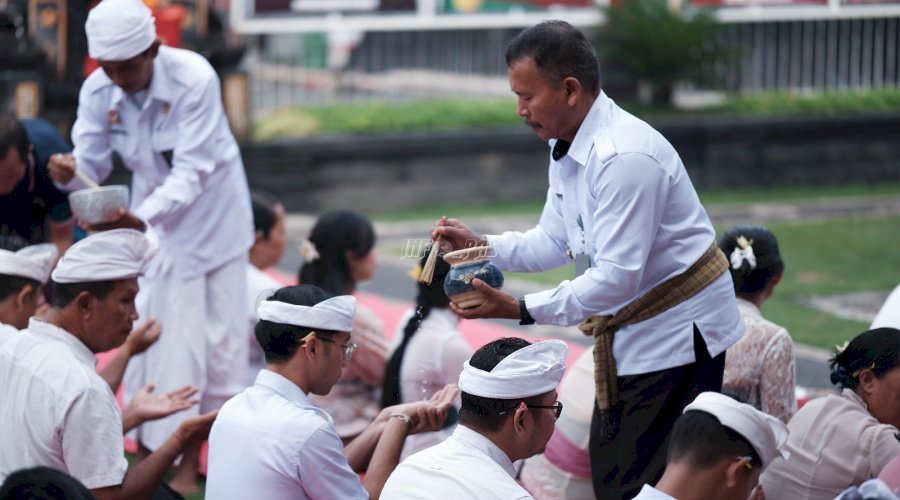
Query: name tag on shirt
[(582, 264)]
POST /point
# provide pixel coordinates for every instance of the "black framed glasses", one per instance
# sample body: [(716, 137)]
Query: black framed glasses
[(557, 407), (347, 349)]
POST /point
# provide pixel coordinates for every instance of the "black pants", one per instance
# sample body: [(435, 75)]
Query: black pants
[(650, 403)]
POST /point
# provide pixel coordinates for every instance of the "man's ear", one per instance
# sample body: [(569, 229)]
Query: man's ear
[(27, 297), (573, 90), (521, 419), (84, 301), (866, 381), (735, 471)]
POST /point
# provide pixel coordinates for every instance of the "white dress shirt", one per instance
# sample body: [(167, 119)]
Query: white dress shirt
[(7, 332), (650, 493), (56, 411), (271, 442), (622, 197), (889, 314), (466, 465), (200, 205)]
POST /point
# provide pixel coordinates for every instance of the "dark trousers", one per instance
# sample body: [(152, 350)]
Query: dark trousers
[(650, 403)]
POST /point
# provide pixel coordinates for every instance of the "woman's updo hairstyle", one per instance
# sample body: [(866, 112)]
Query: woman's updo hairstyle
[(878, 350), (753, 257)]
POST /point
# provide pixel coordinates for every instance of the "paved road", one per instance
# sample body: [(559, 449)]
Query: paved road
[(391, 281)]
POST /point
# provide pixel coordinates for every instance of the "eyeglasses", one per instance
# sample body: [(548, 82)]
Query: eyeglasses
[(558, 407), (347, 349)]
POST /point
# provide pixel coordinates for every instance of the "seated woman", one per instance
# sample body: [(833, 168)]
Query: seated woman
[(842, 440), (759, 368), (344, 256), (429, 352)]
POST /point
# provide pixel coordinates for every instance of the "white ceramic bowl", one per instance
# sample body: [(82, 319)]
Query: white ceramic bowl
[(96, 206)]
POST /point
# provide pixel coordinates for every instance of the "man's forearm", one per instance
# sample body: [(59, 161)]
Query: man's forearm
[(114, 370), (144, 477), (359, 451), (386, 456)]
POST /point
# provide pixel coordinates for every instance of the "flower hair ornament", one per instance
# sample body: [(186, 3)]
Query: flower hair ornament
[(743, 252), (308, 251)]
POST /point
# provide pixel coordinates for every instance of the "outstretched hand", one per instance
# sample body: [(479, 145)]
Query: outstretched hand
[(497, 304), (142, 337), (145, 405)]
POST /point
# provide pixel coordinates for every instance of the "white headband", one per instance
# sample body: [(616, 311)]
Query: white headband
[(32, 262), (765, 433), (113, 255), (334, 314), (530, 371), (119, 29)]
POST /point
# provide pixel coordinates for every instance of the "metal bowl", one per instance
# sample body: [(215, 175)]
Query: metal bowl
[(98, 205)]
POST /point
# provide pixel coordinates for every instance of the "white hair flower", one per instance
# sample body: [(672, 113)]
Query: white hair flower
[(743, 252), (308, 251)]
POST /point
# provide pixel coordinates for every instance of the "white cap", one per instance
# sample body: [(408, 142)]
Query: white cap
[(334, 314), (765, 433), (530, 371), (114, 255), (119, 29), (32, 262)]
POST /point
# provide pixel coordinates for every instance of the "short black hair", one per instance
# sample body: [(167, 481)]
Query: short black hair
[(264, 216), (699, 440), (65, 293), (749, 279), (484, 413), (13, 135), (559, 50), (279, 342), (11, 285), (878, 349), (41, 483)]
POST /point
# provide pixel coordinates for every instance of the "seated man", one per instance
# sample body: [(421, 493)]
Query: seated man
[(32, 209), (508, 412), (56, 411), (22, 278), (718, 449), (271, 442)]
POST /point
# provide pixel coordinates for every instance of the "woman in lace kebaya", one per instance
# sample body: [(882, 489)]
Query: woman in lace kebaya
[(759, 368)]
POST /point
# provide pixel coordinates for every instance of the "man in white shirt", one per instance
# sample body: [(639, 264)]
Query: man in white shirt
[(160, 110), (56, 411), (508, 413), (271, 442), (718, 449), (622, 208), (22, 277)]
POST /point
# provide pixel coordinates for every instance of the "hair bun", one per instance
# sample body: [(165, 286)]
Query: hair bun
[(839, 375)]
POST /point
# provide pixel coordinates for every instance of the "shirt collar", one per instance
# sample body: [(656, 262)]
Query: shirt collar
[(282, 386), (584, 139), (853, 396), (478, 441), (51, 331)]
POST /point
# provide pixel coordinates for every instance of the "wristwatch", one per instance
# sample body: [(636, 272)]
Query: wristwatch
[(524, 316)]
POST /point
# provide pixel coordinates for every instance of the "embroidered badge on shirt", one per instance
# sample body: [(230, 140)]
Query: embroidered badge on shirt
[(113, 117), (165, 108)]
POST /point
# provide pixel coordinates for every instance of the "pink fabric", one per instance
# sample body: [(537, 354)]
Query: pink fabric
[(567, 456), (891, 474)]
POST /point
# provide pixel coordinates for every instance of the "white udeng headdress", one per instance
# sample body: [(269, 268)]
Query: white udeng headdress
[(530, 371), (119, 29), (113, 255), (334, 314), (32, 262), (765, 433)]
